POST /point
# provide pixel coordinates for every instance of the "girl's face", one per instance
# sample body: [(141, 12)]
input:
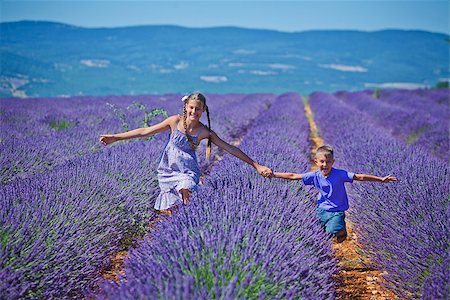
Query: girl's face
[(194, 110), (324, 163)]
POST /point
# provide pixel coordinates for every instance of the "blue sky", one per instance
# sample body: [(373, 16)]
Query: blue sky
[(300, 15)]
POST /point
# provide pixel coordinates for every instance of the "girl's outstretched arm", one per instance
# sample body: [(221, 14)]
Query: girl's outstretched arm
[(233, 150), (367, 177), (107, 139)]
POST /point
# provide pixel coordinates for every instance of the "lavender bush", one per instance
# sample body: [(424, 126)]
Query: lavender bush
[(404, 225), (58, 230)]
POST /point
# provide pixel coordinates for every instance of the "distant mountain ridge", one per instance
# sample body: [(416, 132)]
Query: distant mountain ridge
[(41, 59)]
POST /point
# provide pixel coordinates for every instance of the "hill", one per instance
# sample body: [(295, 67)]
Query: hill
[(41, 59)]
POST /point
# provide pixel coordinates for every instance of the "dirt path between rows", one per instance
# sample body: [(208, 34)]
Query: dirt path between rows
[(355, 279), (116, 267)]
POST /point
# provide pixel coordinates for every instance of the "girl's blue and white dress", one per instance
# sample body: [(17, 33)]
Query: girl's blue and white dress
[(178, 169)]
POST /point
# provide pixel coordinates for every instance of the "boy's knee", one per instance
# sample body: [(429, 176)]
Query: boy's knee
[(341, 236)]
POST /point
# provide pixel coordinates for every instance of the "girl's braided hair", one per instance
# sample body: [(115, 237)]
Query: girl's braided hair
[(199, 97)]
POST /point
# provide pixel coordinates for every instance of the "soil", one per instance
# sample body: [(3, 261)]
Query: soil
[(113, 272), (116, 268), (355, 279)]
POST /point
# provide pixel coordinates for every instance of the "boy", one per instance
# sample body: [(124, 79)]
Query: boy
[(332, 200)]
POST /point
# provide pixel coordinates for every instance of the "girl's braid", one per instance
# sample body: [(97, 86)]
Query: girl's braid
[(208, 148)]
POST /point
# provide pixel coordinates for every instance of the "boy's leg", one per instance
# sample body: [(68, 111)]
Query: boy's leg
[(336, 226), (323, 216), (341, 235), (333, 223)]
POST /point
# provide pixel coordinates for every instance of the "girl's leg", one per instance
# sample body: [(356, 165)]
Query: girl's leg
[(166, 212), (185, 195)]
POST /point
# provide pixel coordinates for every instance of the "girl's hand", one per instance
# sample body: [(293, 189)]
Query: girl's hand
[(264, 171), (106, 139), (389, 178)]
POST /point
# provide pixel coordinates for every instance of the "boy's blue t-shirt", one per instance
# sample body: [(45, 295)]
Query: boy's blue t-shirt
[(332, 196)]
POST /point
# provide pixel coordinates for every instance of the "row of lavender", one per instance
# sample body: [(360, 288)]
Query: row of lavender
[(418, 117), (59, 227), (243, 236), (404, 225)]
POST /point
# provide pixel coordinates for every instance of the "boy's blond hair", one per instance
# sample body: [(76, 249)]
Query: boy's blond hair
[(325, 150)]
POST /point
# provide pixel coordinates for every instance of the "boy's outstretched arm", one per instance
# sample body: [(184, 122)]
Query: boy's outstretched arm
[(367, 177), (290, 176)]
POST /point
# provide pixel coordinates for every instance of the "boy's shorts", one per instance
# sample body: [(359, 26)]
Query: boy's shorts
[(332, 221)]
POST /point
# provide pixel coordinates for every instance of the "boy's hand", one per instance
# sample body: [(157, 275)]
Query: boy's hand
[(106, 139), (389, 178)]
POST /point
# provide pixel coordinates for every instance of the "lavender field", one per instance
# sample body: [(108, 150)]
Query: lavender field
[(69, 204)]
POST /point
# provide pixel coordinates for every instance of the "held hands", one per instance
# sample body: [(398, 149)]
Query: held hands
[(388, 178), (106, 139), (264, 171)]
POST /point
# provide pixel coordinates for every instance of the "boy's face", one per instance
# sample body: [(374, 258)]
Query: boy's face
[(324, 163)]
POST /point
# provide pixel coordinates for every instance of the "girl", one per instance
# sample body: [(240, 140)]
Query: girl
[(178, 170)]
